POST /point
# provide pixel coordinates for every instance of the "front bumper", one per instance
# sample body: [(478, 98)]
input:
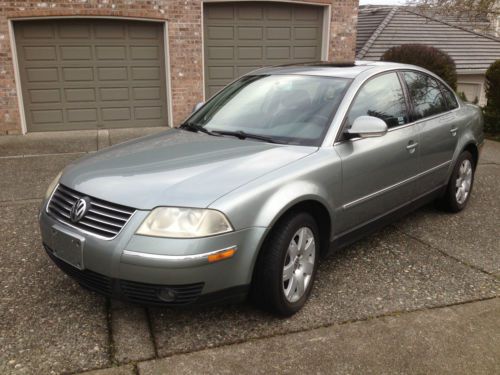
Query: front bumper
[(136, 268)]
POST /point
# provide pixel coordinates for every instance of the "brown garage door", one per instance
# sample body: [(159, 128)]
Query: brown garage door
[(88, 74), (240, 37)]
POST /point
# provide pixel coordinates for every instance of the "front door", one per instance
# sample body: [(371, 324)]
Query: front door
[(377, 172)]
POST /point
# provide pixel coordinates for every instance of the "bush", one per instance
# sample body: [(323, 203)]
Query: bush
[(430, 58), (492, 108)]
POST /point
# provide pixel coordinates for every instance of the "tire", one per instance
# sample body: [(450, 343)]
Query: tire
[(271, 289), (459, 187)]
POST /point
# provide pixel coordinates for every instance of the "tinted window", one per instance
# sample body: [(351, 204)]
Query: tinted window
[(380, 97), (450, 97), (426, 95)]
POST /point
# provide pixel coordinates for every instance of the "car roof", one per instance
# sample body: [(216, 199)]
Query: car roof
[(328, 69)]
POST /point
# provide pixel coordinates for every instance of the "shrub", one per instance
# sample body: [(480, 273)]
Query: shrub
[(430, 58), (492, 108)]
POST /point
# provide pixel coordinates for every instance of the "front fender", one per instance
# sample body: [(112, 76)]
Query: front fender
[(261, 202)]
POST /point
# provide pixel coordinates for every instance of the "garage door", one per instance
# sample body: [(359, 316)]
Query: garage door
[(88, 74), (240, 37)]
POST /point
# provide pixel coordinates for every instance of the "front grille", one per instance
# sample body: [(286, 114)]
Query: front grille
[(103, 218), (92, 280), (131, 291)]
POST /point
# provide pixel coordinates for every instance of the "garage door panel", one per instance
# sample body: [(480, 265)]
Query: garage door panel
[(304, 52), (146, 73), (76, 52), (111, 52), (145, 52), (47, 116), (241, 37), (40, 53), (278, 33), (69, 30), (147, 113), (146, 93), (45, 96), (87, 74), (80, 95), (116, 73), (114, 93), (308, 14), (250, 33), (82, 115), (78, 74), (221, 32), (250, 12), (42, 74), (218, 53), (277, 12), (37, 31), (250, 53)]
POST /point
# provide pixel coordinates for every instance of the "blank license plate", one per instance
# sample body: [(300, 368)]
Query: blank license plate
[(68, 246)]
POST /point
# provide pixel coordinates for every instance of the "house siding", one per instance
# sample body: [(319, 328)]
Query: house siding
[(185, 44)]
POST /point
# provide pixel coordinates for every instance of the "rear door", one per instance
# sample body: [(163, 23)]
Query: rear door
[(376, 172), (434, 109)]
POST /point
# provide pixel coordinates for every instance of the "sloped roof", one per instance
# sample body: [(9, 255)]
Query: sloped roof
[(392, 26)]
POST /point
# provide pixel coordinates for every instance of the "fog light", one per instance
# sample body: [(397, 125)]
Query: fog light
[(167, 294)]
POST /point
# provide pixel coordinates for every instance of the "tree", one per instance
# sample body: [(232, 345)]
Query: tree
[(430, 58), (492, 109), (477, 14)]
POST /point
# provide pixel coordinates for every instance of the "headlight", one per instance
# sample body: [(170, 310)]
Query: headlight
[(184, 223), (52, 186)]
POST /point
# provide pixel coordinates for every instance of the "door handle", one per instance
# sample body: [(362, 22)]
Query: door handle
[(412, 146), (453, 131)]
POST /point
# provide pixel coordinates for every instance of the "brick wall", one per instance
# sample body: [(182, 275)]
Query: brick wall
[(185, 43)]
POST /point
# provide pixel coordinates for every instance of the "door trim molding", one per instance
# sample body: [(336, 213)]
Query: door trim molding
[(17, 76), (394, 186)]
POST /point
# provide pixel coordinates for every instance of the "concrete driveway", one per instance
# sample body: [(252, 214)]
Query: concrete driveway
[(420, 296)]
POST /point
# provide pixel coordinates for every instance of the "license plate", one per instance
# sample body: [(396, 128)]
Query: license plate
[(68, 246)]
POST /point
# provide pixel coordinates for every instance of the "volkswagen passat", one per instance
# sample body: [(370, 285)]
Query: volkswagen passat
[(260, 182)]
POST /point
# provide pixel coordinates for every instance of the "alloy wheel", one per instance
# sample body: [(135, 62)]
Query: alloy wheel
[(299, 264), (464, 181)]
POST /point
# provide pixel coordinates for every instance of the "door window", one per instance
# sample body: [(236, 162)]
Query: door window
[(380, 97), (450, 97), (426, 95)]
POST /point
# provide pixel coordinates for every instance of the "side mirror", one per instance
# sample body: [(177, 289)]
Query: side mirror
[(197, 106), (368, 126)]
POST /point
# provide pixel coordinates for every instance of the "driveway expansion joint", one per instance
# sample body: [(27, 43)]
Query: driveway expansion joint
[(443, 252), (151, 331)]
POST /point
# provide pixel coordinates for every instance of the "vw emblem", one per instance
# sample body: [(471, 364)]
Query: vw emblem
[(79, 209)]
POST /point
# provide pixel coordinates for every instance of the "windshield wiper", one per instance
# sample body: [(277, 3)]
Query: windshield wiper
[(191, 126), (242, 135)]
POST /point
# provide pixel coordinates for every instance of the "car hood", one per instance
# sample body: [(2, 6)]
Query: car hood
[(176, 168)]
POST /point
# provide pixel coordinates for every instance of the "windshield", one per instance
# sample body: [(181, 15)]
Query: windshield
[(291, 109)]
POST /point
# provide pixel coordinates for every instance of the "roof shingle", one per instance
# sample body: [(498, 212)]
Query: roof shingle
[(471, 51)]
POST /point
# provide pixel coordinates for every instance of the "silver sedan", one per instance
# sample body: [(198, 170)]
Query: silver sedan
[(259, 183)]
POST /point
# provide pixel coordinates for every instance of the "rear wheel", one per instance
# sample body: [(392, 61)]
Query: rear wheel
[(287, 265), (459, 187)]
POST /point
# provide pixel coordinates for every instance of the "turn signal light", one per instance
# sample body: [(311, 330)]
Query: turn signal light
[(226, 254)]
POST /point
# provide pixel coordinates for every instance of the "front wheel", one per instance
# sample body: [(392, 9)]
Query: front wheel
[(459, 187), (287, 265)]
